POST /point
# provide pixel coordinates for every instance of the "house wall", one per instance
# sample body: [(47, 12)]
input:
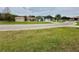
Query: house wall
[(31, 18), (19, 19), (47, 20)]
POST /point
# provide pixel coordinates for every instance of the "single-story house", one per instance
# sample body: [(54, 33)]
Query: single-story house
[(19, 19), (48, 18), (39, 18), (75, 18), (31, 18), (25, 18)]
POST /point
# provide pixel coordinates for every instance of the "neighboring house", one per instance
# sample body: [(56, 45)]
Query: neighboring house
[(31, 18), (19, 19), (39, 18), (48, 18), (76, 18)]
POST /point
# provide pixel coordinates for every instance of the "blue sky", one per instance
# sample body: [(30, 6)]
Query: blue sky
[(64, 11)]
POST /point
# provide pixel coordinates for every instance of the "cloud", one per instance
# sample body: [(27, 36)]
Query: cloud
[(65, 11)]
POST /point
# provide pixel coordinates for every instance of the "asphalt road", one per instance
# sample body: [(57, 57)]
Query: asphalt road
[(34, 26)]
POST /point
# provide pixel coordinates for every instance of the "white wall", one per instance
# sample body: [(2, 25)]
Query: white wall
[(47, 20), (19, 19)]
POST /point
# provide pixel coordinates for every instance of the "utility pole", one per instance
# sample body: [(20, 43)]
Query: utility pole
[(6, 10)]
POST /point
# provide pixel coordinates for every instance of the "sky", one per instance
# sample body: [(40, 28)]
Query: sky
[(43, 11)]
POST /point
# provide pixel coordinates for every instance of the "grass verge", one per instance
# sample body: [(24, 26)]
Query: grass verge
[(32, 22), (44, 40), (77, 23)]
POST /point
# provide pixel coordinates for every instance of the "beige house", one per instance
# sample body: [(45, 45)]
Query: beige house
[(31, 18), (76, 18), (19, 19)]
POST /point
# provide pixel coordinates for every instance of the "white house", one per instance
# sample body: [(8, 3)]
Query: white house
[(19, 19), (48, 18)]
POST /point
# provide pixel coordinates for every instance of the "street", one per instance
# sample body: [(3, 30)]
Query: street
[(34, 26)]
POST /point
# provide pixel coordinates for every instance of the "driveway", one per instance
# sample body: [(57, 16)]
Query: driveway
[(34, 26)]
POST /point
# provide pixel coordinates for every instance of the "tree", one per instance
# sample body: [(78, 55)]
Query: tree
[(58, 17), (0, 17), (49, 17), (39, 18), (64, 18), (8, 17)]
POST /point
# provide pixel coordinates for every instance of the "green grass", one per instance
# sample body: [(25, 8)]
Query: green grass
[(56, 39), (32, 22), (77, 23)]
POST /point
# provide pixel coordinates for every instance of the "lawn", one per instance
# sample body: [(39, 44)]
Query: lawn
[(32, 22), (77, 23), (44, 40)]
